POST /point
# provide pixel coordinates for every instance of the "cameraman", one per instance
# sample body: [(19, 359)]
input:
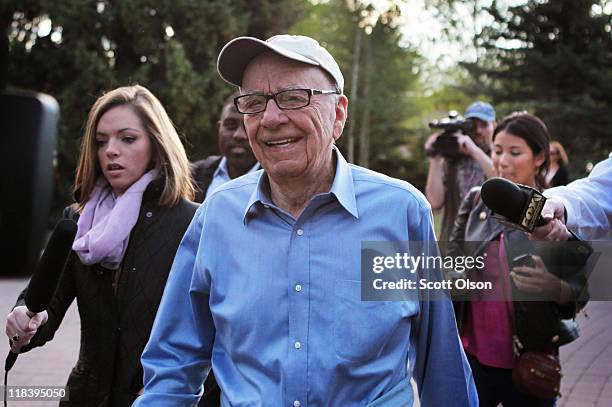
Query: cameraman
[(450, 178)]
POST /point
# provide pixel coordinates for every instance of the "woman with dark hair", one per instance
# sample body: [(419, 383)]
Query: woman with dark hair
[(133, 192), (495, 328), (557, 169)]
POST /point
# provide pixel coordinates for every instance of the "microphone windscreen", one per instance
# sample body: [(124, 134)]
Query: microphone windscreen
[(504, 198), (50, 266)]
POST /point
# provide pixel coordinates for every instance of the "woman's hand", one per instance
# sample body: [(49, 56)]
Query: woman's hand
[(20, 328), (539, 280)]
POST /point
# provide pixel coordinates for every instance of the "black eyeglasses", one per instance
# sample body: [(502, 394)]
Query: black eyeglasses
[(290, 99)]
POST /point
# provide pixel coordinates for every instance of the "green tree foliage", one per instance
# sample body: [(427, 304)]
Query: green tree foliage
[(387, 76), (553, 58), (169, 46)]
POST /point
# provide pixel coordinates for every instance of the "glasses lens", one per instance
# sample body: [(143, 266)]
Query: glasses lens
[(292, 99), (251, 103)]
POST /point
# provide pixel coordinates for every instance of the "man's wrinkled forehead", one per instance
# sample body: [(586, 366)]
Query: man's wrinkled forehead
[(271, 71)]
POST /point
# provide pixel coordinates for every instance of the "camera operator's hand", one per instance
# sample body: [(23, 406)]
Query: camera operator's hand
[(434, 187), (466, 145), (429, 146)]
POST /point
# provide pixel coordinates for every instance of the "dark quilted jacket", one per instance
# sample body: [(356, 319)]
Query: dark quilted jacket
[(115, 327), (202, 172)]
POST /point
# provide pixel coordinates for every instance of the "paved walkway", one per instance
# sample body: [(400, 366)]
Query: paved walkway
[(587, 363), (47, 366)]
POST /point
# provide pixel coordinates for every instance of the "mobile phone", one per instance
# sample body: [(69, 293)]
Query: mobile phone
[(524, 260)]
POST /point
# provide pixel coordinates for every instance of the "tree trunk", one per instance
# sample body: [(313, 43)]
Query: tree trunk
[(353, 96), (364, 132)]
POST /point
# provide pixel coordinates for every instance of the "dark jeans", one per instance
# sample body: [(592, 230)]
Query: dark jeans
[(494, 386)]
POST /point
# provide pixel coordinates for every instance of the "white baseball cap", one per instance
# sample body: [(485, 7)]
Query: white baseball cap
[(239, 52)]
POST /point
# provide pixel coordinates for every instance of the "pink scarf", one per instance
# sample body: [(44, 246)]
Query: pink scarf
[(105, 225)]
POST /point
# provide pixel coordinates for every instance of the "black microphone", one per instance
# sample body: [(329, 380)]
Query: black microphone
[(47, 274), (520, 206), (50, 267)]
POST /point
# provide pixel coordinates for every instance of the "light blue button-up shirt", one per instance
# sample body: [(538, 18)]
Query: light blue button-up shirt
[(273, 303)]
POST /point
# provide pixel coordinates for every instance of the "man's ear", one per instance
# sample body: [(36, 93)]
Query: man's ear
[(341, 115)]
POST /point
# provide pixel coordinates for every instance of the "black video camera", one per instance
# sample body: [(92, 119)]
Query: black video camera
[(446, 144)]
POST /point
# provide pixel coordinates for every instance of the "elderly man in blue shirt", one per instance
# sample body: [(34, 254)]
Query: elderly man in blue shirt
[(266, 283)]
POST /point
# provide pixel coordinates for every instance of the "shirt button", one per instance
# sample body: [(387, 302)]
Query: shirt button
[(297, 345), (296, 403), (300, 232), (149, 214), (298, 288)]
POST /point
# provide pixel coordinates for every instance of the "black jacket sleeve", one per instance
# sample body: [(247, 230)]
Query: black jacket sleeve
[(572, 263)]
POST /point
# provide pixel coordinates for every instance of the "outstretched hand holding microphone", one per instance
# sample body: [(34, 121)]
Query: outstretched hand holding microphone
[(527, 209), (554, 230)]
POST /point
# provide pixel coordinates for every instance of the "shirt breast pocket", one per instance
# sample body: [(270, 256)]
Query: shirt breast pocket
[(361, 329)]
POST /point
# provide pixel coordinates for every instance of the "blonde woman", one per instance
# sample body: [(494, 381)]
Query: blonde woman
[(133, 192), (557, 168)]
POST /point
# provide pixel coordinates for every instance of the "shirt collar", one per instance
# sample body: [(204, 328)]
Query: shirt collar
[(342, 188), (221, 168)]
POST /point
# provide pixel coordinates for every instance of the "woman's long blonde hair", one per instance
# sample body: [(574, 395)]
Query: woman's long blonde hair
[(168, 154)]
